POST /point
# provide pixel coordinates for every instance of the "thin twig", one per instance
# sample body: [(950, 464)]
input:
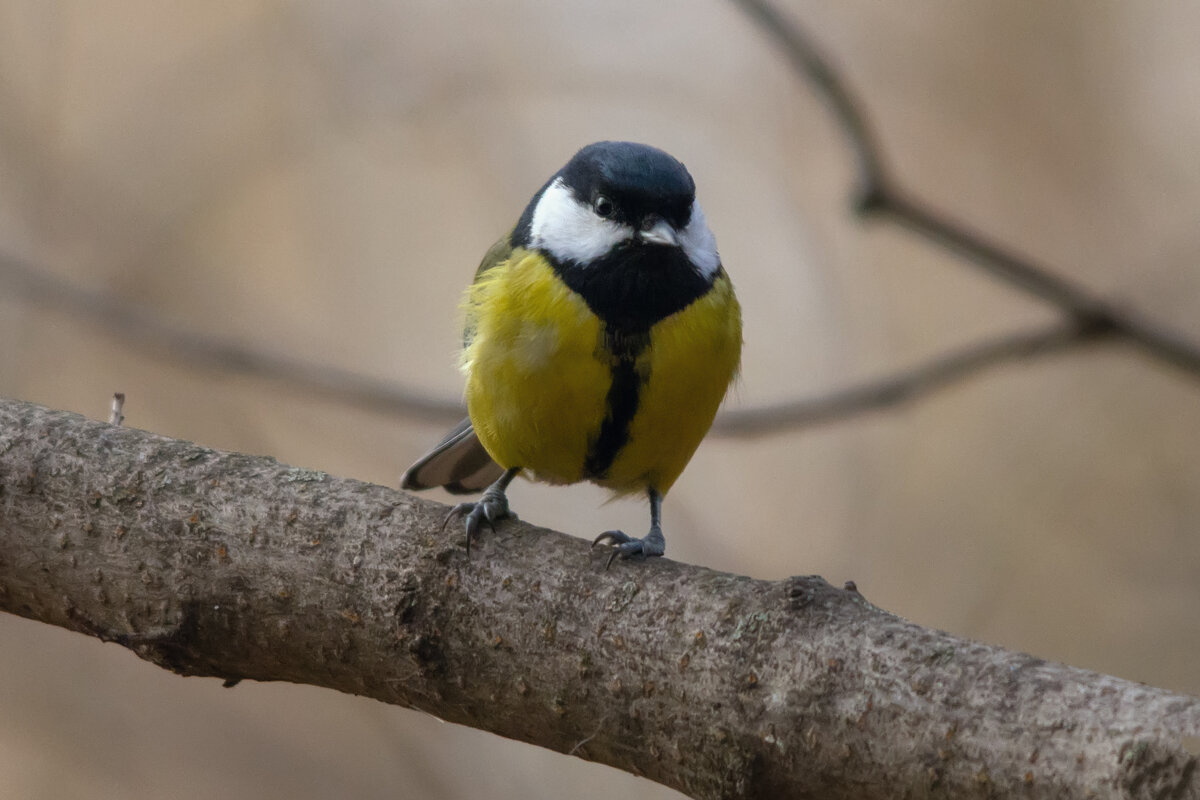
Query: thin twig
[(117, 416), (589, 737), (904, 386), (1155, 340), (878, 195), (806, 60), (995, 258), (152, 332)]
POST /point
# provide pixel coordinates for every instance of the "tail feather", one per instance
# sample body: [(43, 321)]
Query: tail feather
[(459, 464)]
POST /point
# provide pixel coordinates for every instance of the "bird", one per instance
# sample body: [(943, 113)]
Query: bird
[(601, 334)]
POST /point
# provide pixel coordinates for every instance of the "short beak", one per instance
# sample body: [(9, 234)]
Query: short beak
[(660, 232)]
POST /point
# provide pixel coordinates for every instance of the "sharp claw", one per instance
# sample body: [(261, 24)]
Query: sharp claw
[(490, 508), (477, 514), (625, 550), (475, 521), (626, 546), (616, 537), (471, 527)]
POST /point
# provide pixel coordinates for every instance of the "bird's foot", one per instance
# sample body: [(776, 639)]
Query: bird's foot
[(490, 508), (626, 546)]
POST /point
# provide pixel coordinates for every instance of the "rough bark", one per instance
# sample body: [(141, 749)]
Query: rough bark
[(228, 565)]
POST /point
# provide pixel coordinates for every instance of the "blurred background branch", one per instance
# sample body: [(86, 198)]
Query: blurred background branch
[(906, 385), (146, 330), (1092, 319), (878, 195)]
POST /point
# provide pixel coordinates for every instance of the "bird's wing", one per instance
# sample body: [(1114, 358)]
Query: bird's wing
[(459, 464), (496, 255)]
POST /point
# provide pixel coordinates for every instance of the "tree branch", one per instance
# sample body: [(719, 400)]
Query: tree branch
[(227, 565)]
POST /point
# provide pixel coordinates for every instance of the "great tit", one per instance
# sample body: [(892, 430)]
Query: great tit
[(601, 335)]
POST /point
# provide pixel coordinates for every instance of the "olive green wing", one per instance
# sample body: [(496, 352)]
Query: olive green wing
[(459, 463), (496, 255)]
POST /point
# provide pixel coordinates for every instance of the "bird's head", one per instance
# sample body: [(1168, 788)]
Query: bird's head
[(618, 200)]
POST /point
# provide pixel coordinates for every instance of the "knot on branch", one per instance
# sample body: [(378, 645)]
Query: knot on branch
[(872, 196)]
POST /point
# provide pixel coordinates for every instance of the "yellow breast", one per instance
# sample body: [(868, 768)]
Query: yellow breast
[(693, 357), (539, 374)]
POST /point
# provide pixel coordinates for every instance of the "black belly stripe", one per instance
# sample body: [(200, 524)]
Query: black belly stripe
[(621, 403), (631, 288)]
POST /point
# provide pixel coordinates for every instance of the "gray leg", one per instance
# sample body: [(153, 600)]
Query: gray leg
[(625, 546), (490, 508)]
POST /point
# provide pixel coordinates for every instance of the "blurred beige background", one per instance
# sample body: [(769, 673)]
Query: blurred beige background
[(320, 180)]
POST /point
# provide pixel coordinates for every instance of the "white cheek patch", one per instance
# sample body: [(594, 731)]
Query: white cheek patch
[(699, 244), (570, 230)]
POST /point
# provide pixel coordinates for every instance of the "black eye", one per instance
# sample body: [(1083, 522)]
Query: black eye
[(603, 206)]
